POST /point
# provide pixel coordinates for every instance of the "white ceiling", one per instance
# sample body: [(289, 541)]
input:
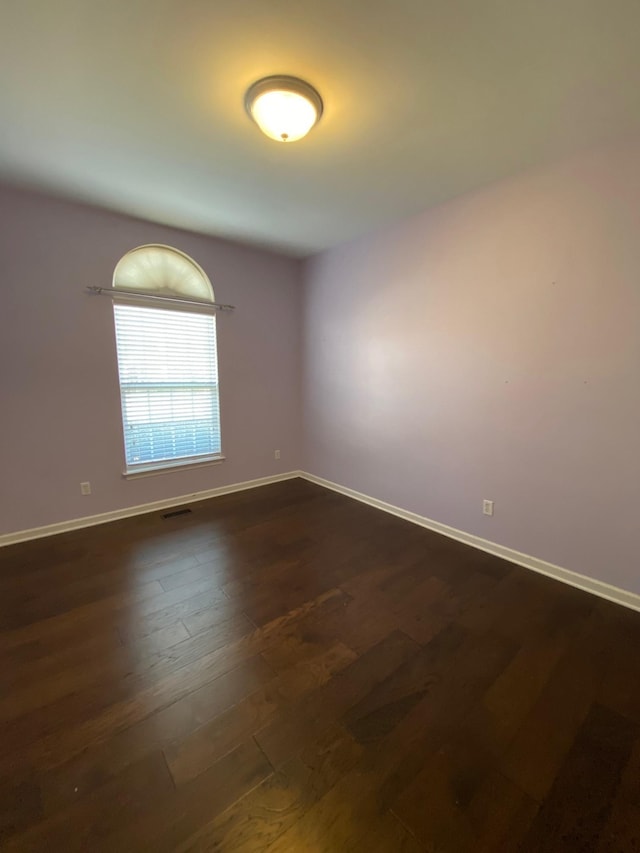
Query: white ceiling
[(137, 105)]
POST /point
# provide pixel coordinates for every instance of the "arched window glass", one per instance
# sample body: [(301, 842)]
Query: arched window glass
[(167, 361), (162, 271)]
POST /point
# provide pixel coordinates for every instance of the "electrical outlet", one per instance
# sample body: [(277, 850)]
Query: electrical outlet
[(487, 507), (276, 454), (85, 488)]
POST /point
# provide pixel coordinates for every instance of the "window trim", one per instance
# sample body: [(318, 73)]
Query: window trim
[(150, 469)]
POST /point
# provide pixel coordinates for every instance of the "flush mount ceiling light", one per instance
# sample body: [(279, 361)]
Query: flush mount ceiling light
[(284, 108)]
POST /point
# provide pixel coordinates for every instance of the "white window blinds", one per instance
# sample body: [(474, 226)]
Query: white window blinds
[(169, 385)]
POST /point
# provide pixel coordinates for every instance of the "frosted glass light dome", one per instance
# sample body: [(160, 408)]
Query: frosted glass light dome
[(284, 108)]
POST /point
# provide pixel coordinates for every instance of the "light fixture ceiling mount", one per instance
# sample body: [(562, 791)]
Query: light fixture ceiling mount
[(284, 108)]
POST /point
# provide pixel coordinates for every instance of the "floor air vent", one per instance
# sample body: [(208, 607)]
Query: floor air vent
[(175, 512)]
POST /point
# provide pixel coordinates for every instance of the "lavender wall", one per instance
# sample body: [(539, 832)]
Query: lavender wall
[(491, 349), (59, 398)]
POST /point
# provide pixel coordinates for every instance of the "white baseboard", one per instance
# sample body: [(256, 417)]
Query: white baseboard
[(141, 509), (604, 590)]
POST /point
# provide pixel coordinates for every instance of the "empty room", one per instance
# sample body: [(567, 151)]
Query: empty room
[(320, 426)]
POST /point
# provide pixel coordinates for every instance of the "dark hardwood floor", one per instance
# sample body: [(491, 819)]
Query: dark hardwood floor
[(288, 670)]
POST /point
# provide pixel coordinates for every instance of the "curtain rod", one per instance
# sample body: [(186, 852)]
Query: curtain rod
[(112, 291)]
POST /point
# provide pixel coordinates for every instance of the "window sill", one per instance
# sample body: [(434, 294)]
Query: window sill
[(167, 467)]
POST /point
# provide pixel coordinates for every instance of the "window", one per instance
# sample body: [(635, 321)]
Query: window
[(167, 360)]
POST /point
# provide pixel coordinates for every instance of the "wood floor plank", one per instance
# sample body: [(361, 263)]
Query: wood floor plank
[(266, 813), (460, 680), (179, 671), (390, 700), (93, 816), (107, 696), (173, 818), (287, 669), (578, 805), (282, 738), (200, 750), (197, 752), (96, 765), (130, 605), (313, 671), (386, 833), (499, 815), (539, 748), (621, 830), (20, 804), (337, 821)]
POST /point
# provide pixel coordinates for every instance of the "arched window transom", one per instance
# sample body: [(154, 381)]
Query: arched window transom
[(162, 271)]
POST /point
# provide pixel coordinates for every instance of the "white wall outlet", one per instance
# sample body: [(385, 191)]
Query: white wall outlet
[(85, 488), (487, 507), (276, 454)]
